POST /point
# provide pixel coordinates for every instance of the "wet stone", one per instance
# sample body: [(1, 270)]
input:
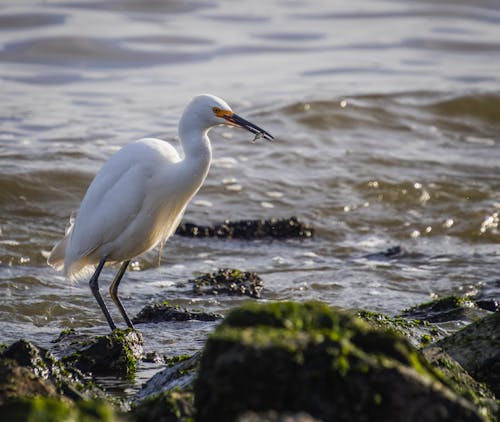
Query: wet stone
[(179, 374), (229, 281), (308, 357), (457, 378), (450, 308), (161, 312), (34, 383), (477, 348), (275, 228), (113, 354), (167, 406), (273, 416)]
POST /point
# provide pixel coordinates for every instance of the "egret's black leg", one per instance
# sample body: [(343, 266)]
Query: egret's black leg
[(94, 286), (113, 291)]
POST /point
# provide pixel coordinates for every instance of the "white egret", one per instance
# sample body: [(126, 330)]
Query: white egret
[(137, 199)]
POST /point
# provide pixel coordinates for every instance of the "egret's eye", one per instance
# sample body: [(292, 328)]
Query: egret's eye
[(216, 110)]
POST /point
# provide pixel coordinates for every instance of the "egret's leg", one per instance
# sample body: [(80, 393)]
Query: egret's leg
[(94, 286), (113, 291)]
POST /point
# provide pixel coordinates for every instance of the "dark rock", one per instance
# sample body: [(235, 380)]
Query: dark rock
[(273, 416), (34, 383), (161, 312), (450, 308), (292, 357), (113, 354), (179, 374), (419, 332), (42, 409), (276, 228), (167, 406), (390, 253), (477, 348), (229, 281), (488, 304), (455, 377), (27, 371)]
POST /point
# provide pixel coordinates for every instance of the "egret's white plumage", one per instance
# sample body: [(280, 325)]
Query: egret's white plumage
[(138, 197)]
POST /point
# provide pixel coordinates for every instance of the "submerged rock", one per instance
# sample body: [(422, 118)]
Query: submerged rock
[(458, 379), (273, 416), (168, 396), (450, 308), (161, 312), (179, 374), (418, 332), (113, 354), (477, 348), (41, 409), (167, 406), (276, 228), (292, 357), (229, 281), (34, 383)]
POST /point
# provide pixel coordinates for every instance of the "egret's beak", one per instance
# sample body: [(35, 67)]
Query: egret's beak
[(241, 122)]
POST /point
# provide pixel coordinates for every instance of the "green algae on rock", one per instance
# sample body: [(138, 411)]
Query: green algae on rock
[(477, 348), (167, 406), (113, 354), (450, 308), (418, 332), (229, 281), (308, 357), (34, 385), (275, 228), (460, 381), (41, 409), (161, 312)]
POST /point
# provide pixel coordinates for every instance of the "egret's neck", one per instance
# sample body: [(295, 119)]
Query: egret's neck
[(196, 146)]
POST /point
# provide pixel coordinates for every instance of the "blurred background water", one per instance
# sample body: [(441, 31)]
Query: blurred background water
[(386, 116)]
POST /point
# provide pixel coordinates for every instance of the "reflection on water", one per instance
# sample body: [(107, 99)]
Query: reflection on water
[(386, 117)]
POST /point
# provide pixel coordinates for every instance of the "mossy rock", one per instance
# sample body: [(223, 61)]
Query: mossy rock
[(460, 381), (477, 348), (450, 308), (29, 371), (230, 281), (44, 409), (168, 406), (163, 312), (419, 332), (178, 375), (273, 416), (293, 357), (275, 228), (113, 354)]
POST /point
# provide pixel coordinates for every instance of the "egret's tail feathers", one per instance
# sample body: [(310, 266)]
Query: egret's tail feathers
[(57, 255), (83, 268), (75, 270)]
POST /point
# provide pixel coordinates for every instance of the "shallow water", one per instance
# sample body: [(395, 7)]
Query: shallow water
[(386, 116)]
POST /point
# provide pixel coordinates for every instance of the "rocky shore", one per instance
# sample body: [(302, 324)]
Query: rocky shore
[(271, 361)]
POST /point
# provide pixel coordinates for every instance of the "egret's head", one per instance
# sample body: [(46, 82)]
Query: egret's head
[(212, 111)]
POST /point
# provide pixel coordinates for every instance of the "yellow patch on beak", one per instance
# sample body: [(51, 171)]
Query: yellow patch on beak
[(224, 114)]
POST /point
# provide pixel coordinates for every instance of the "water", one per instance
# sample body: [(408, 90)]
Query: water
[(386, 116)]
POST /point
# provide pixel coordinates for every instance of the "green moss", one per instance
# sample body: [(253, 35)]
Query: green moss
[(292, 356), (445, 303), (41, 409), (418, 331), (173, 405), (177, 359), (115, 354), (289, 315)]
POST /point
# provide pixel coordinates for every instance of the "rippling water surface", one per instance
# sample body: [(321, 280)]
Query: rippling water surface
[(386, 116)]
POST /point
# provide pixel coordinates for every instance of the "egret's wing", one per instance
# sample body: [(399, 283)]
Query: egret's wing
[(116, 196)]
